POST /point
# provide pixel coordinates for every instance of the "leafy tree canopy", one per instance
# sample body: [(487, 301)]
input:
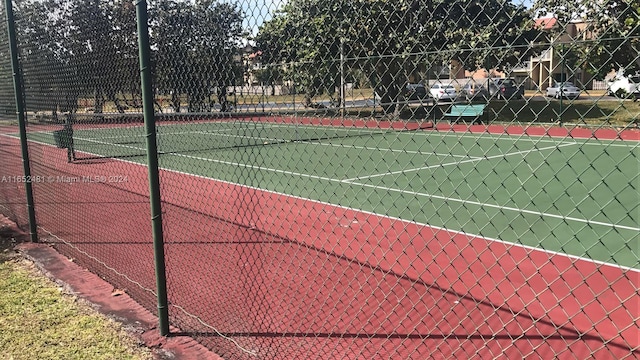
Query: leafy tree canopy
[(613, 39), (194, 48), (391, 39), (89, 48)]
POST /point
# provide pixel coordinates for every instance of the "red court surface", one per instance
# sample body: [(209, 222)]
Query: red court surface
[(284, 276)]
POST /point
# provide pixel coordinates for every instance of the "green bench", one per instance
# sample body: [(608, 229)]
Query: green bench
[(466, 111)]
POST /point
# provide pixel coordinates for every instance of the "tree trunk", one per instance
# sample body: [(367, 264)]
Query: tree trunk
[(98, 102), (222, 99), (389, 87), (175, 101)]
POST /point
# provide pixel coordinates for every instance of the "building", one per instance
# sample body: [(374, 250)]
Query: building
[(549, 66), (539, 72)]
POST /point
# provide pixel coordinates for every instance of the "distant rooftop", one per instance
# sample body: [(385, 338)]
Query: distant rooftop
[(546, 23)]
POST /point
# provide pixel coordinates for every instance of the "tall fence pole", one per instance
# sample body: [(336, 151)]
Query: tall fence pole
[(22, 123), (152, 158)]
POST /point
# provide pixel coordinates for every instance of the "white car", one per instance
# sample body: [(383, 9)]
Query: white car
[(563, 89), (625, 85), (443, 92)]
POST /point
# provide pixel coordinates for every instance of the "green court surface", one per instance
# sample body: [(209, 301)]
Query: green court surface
[(566, 195)]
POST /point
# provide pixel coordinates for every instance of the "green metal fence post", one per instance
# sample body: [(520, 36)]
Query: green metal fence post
[(152, 156), (22, 123), (563, 78)]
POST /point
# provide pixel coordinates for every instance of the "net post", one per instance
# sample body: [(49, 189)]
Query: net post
[(68, 133), (22, 122), (142, 20)]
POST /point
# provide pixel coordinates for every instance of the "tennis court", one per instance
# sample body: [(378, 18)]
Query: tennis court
[(557, 194), (537, 232)]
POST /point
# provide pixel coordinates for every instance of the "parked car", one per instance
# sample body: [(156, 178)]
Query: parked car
[(443, 92), (474, 91), (415, 92), (505, 88), (624, 85), (563, 89)]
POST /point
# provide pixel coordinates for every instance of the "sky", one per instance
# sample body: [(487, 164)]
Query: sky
[(258, 11)]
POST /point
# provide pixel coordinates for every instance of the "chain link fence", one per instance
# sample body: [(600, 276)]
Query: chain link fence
[(354, 179)]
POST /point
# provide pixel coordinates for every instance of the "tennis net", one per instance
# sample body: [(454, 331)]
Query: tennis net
[(122, 140)]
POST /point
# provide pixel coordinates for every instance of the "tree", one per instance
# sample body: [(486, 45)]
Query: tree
[(615, 33), (124, 39), (304, 40), (72, 49), (45, 62), (94, 50), (194, 46), (392, 39), (269, 76)]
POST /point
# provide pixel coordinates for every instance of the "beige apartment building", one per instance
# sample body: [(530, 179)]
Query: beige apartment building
[(543, 70), (539, 72)]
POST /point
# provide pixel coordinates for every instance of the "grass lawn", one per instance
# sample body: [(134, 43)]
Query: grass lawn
[(40, 321), (591, 110), (577, 112)]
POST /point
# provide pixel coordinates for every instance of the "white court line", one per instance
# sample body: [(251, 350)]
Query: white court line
[(474, 159), (159, 133), (413, 193), (500, 207), (406, 192), (223, 162), (415, 152), (488, 136), (459, 232), (96, 140), (503, 136), (204, 132), (110, 144)]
